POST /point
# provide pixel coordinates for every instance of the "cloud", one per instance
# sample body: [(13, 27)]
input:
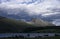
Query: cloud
[(56, 22), (32, 7), (18, 1)]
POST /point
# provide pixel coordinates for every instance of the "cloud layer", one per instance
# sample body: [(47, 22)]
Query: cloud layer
[(32, 7)]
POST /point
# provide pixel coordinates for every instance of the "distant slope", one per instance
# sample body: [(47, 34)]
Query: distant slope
[(11, 25), (41, 23)]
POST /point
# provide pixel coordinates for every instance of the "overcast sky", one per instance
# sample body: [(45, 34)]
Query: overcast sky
[(45, 7)]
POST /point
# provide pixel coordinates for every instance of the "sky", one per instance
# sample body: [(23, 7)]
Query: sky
[(32, 7), (43, 7)]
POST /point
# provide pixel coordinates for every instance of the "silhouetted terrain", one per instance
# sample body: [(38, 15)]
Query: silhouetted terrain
[(14, 26)]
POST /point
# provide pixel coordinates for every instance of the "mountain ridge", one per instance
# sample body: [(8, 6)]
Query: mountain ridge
[(11, 25)]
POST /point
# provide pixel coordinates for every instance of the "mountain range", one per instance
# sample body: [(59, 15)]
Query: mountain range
[(12, 25)]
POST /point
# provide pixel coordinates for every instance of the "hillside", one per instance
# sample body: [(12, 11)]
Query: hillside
[(40, 22), (12, 26)]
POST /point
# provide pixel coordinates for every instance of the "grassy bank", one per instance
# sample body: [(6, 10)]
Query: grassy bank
[(57, 37)]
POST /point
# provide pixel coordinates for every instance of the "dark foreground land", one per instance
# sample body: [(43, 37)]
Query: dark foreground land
[(8, 25), (57, 37)]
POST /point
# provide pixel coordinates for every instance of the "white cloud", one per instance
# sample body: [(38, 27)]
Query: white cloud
[(37, 7), (56, 22)]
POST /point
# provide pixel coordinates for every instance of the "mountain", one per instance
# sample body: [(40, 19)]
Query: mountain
[(25, 16), (12, 25), (39, 22)]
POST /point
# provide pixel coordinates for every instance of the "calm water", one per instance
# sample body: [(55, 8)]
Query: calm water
[(26, 34)]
